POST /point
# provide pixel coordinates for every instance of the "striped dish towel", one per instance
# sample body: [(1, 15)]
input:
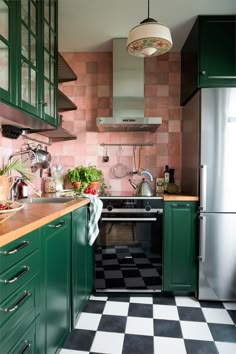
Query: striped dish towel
[(95, 208)]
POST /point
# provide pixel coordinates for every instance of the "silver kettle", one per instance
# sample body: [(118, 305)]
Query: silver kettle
[(144, 189)]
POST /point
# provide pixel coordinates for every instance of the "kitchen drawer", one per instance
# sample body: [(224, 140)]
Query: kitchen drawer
[(18, 274), (20, 309), (22, 341), (13, 252)]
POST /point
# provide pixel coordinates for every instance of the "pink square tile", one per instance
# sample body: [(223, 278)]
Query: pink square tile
[(79, 91), (174, 149), (91, 138), (162, 149), (174, 126), (103, 102), (174, 78), (162, 90), (80, 114), (162, 78), (174, 138), (91, 91), (69, 90), (175, 113), (91, 79), (92, 102), (163, 66), (103, 91), (150, 90)]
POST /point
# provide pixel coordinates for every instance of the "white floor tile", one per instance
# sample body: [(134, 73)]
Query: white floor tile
[(230, 305), (116, 308), (217, 316), (88, 321), (70, 351), (226, 348), (165, 312), (165, 345), (141, 300), (108, 343), (195, 330), (139, 325), (186, 301), (98, 298)]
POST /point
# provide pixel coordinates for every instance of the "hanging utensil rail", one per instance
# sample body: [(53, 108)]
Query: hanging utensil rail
[(103, 144)]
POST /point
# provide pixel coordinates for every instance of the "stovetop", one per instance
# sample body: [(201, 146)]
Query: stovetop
[(127, 195)]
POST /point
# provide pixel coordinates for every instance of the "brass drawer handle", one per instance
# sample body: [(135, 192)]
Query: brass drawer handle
[(26, 347), (17, 303), (12, 280), (18, 248), (60, 224)]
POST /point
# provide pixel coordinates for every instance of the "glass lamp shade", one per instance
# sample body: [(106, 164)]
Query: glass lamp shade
[(149, 39)]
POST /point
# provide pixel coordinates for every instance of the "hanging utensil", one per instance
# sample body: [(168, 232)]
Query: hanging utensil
[(105, 154), (120, 170)]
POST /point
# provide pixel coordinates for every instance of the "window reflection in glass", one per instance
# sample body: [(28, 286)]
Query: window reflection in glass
[(4, 78)]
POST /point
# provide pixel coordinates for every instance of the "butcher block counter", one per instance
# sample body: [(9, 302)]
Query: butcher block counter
[(33, 216), (180, 198)]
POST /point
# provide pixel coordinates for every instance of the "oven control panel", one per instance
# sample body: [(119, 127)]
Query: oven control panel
[(147, 204)]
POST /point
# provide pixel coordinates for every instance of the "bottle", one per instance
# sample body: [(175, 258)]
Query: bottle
[(172, 187), (22, 190), (166, 178)]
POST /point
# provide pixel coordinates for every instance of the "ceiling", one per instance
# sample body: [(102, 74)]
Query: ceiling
[(90, 25)]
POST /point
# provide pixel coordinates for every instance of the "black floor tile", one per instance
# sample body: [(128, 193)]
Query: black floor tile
[(164, 300), (212, 304), (167, 328), (140, 310), (223, 332), (121, 298), (191, 314), (94, 306), (200, 347), (80, 339), (232, 314), (137, 344), (109, 323)]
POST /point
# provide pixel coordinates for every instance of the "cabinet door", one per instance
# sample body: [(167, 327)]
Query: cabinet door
[(28, 14), (80, 286), (180, 264), (6, 51), (217, 51), (55, 312), (49, 83)]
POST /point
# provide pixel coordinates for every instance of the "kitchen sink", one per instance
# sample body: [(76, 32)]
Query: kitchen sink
[(46, 200)]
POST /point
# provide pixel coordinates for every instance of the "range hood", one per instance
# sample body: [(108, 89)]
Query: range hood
[(128, 94)]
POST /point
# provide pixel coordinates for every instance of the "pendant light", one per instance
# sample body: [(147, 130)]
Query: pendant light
[(149, 38)]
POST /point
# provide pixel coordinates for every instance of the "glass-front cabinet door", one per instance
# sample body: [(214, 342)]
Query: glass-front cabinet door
[(29, 35), (5, 51), (50, 89)]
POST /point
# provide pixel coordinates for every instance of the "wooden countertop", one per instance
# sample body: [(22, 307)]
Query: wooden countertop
[(33, 216), (180, 198)]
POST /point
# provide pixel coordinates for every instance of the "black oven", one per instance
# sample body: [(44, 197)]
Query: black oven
[(128, 249)]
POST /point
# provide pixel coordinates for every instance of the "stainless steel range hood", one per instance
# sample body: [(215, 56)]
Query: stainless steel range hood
[(128, 94)]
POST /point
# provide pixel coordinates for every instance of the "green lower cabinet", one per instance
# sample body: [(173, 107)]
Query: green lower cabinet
[(82, 260), (56, 283), (180, 246)]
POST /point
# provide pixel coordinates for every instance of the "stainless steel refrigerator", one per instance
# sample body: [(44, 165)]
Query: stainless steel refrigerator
[(209, 170)]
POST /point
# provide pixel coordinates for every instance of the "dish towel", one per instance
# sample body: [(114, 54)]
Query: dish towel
[(95, 208)]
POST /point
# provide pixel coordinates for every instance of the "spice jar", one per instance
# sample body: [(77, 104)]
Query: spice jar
[(50, 185)]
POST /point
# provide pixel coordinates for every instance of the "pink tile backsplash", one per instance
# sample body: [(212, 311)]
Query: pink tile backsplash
[(92, 93)]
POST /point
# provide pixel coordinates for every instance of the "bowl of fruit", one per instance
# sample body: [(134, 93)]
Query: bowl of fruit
[(8, 208)]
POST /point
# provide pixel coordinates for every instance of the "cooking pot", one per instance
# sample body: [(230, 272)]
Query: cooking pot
[(40, 158)]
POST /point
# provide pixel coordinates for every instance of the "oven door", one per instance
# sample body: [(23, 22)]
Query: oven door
[(128, 252)]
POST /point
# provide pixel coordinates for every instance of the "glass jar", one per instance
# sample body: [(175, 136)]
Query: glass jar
[(50, 185)]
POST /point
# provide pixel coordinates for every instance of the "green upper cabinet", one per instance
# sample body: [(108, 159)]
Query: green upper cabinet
[(208, 57), (28, 59), (180, 252), (49, 84), (6, 51)]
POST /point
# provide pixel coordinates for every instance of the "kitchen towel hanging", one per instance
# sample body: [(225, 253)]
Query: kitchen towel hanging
[(95, 209)]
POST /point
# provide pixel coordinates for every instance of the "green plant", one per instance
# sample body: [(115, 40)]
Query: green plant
[(84, 175), (18, 166)]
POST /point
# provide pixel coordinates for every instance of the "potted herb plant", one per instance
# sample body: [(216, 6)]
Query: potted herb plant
[(84, 176), (6, 181)]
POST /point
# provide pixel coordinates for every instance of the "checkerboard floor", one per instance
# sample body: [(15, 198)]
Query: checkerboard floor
[(153, 324)]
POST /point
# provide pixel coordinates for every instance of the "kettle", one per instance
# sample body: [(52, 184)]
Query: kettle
[(144, 189)]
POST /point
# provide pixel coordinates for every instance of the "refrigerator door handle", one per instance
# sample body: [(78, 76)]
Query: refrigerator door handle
[(202, 243), (203, 185)]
